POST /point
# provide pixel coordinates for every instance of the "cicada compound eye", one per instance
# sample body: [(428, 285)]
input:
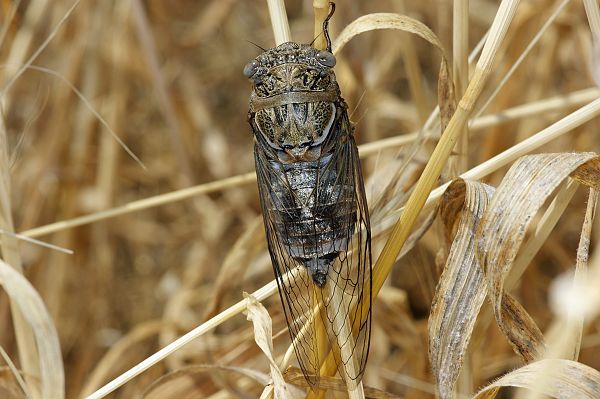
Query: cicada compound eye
[(251, 68), (326, 58)]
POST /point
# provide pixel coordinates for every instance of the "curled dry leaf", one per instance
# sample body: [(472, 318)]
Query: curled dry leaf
[(369, 22), (36, 315), (565, 379), (461, 289), (263, 335), (523, 191)]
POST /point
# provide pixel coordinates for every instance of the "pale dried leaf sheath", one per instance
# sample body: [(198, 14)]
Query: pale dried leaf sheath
[(376, 21), (36, 315), (263, 335), (523, 191), (566, 380), (461, 289), (583, 252)]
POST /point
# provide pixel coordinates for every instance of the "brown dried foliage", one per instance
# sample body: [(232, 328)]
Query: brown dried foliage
[(166, 78)]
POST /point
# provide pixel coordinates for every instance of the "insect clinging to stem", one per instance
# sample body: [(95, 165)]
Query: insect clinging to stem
[(313, 202)]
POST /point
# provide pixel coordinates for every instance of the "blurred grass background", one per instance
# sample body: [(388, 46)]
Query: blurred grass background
[(166, 77)]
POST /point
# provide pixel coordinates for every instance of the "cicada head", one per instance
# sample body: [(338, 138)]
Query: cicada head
[(293, 103)]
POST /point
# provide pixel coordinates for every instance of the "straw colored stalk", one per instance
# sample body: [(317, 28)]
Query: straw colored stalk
[(321, 8), (279, 21), (460, 69)]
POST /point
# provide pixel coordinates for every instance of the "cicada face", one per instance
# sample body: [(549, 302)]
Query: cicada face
[(313, 203)]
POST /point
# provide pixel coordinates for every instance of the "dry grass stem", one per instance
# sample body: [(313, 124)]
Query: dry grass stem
[(279, 21), (321, 10)]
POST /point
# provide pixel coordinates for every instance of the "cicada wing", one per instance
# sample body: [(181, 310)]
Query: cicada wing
[(296, 288), (346, 296)]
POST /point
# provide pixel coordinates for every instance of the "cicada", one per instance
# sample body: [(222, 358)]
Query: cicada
[(314, 206)]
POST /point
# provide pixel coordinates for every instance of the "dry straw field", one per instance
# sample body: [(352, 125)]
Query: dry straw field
[(126, 153)]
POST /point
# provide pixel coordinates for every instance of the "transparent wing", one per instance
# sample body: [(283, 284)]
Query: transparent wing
[(296, 288), (346, 297)]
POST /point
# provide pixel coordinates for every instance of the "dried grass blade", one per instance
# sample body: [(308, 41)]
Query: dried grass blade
[(566, 379), (403, 23), (279, 21), (263, 335), (583, 251), (34, 312), (461, 289), (523, 191), (593, 13)]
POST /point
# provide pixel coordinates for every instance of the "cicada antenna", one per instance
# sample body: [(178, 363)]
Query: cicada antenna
[(326, 25), (260, 47)]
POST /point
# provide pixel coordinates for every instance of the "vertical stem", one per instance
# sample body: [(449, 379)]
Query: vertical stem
[(413, 71), (575, 319), (345, 340), (279, 21), (593, 13), (460, 69), (321, 8)]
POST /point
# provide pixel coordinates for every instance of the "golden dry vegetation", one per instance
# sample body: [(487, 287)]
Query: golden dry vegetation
[(124, 138)]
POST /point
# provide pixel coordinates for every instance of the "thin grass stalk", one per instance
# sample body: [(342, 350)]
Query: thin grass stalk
[(438, 158), (15, 372), (321, 8), (167, 107), (279, 21), (575, 318), (592, 11), (346, 348), (39, 50), (460, 69), (523, 55), (414, 72), (543, 229), (8, 20)]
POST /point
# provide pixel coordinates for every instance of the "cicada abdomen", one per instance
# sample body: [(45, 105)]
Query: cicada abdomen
[(314, 207)]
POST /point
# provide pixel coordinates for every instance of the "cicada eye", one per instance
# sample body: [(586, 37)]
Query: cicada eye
[(326, 58), (251, 68)]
